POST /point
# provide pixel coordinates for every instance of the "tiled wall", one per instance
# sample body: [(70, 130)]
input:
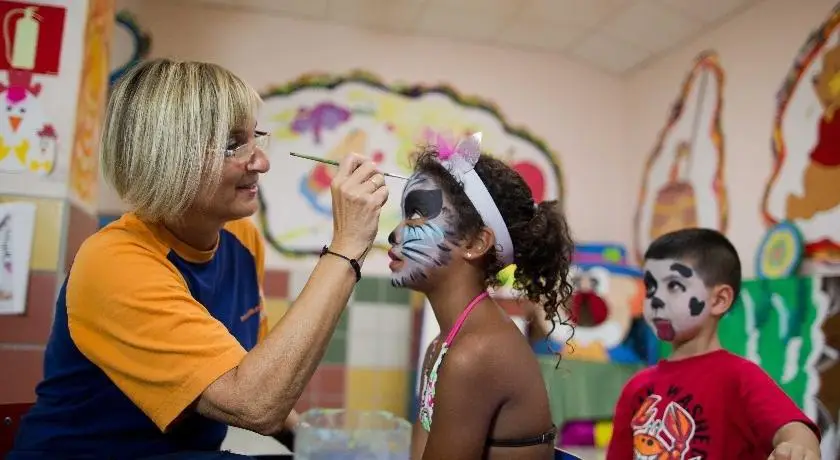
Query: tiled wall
[(23, 337), (368, 362)]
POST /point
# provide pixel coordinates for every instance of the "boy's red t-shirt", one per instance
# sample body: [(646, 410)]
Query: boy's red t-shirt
[(716, 406)]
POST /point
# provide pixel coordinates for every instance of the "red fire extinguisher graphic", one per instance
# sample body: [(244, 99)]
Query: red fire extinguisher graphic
[(24, 45)]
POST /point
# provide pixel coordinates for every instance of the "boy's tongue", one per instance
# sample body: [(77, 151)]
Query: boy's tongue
[(664, 330)]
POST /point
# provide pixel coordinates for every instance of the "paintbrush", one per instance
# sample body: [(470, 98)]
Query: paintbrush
[(335, 163)]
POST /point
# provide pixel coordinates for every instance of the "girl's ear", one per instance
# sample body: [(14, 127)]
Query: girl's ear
[(479, 244)]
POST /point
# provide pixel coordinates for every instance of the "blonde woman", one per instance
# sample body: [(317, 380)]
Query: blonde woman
[(158, 342)]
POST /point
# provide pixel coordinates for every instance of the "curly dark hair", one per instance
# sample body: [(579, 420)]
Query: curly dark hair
[(542, 241)]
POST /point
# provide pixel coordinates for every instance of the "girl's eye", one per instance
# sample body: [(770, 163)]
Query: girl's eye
[(415, 215), (675, 285)]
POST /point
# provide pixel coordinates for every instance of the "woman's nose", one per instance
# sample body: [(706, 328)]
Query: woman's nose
[(392, 237), (259, 161)]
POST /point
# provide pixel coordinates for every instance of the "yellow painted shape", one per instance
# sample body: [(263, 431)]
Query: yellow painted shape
[(377, 389), (603, 433), (22, 151), (49, 215), (275, 309)]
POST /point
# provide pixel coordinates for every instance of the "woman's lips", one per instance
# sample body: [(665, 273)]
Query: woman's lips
[(251, 189)]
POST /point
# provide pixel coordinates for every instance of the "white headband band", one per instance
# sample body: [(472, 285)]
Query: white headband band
[(460, 162)]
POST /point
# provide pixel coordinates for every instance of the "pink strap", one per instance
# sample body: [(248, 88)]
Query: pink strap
[(463, 316)]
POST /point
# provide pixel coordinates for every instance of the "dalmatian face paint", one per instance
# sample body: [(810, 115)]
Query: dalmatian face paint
[(676, 299), (426, 237)]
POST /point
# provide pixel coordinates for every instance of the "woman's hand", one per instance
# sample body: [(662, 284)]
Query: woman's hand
[(358, 194)]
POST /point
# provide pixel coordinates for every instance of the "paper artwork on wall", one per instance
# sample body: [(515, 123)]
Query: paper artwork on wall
[(683, 184), (28, 139), (330, 116), (17, 224), (806, 146), (93, 91)]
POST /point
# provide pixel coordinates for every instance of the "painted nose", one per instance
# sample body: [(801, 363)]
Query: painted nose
[(392, 237), (15, 122), (656, 303)]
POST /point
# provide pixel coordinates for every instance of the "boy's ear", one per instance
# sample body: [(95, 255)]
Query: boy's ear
[(721, 299), (478, 245)]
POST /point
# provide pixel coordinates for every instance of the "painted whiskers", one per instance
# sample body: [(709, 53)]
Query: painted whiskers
[(425, 246)]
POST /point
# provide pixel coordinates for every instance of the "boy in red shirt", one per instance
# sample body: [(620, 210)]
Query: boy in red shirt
[(702, 403)]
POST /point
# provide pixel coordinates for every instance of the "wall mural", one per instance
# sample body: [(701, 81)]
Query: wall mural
[(93, 91), (130, 45), (28, 139), (791, 328), (331, 116), (806, 145), (683, 184), (606, 308)]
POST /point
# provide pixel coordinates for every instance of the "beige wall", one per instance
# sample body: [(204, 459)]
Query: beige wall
[(603, 127)]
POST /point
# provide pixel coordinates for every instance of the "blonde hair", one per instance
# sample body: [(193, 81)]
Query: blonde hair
[(166, 128)]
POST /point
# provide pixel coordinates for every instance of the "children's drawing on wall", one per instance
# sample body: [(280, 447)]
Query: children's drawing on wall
[(606, 309), (683, 182), (28, 140), (91, 103), (806, 145), (130, 44), (17, 224), (331, 116)]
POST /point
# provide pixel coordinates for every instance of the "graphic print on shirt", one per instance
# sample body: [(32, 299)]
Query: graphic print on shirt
[(662, 433)]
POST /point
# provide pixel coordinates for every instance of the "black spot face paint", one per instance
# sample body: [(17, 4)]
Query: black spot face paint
[(676, 299), (423, 203), (683, 270), (650, 285), (696, 306)]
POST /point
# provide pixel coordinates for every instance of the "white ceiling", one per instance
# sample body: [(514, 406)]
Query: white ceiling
[(617, 36)]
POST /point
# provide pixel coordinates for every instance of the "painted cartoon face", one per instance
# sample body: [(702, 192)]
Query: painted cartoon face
[(425, 239), (675, 298)]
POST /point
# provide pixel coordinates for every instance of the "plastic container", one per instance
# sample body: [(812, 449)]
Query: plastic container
[(339, 434)]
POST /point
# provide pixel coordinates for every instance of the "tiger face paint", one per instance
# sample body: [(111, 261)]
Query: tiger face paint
[(424, 240)]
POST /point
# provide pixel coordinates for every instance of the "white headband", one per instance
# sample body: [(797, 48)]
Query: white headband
[(460, 162)]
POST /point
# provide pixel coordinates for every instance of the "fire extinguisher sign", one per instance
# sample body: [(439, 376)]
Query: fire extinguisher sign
[(31, 37)]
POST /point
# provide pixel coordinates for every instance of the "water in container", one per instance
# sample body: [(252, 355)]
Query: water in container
[(339, 434)]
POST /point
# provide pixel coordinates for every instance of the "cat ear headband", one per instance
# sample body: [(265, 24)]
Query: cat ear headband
[(460, 162)]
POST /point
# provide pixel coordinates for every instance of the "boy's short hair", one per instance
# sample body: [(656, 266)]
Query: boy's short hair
[(709, 252)]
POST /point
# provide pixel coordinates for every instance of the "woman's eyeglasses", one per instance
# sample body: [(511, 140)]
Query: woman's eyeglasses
[(244, 152)]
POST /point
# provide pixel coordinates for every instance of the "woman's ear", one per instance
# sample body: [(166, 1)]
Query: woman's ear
[(479, 244)]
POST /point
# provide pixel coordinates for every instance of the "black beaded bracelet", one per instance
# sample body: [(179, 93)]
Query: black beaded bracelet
[(353, 262)]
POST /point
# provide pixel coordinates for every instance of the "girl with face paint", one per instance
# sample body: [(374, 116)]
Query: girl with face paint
[(483, 393)]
